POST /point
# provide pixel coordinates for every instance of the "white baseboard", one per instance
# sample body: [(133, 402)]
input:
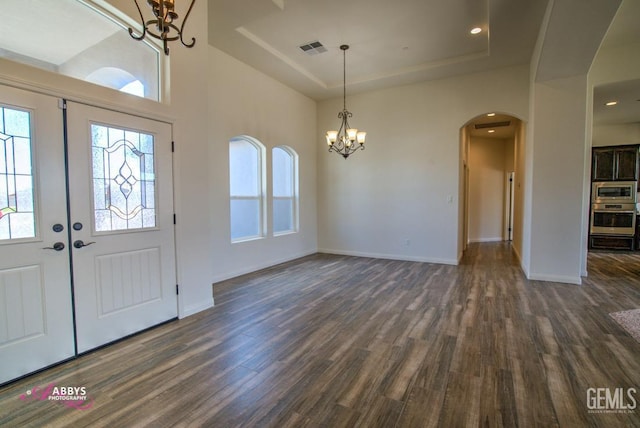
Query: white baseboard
[(555, 278), (259, 266), (390, 256), (496, 239), (194, 309)]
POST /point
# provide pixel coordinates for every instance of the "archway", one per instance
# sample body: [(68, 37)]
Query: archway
[(491, 180)]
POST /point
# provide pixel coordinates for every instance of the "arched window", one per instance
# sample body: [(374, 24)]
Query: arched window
[(285, 190), (134, 88), (246, 188), (117, 78)]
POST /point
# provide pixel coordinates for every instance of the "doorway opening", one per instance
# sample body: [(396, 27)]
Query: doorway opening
[(491, 173)]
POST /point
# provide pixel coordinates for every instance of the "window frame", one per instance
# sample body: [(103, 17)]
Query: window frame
[(261, 186), (155, 81), (295, 197)]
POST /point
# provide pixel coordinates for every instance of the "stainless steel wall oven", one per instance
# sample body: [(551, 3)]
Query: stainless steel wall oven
[(613, 219), (613, 214)]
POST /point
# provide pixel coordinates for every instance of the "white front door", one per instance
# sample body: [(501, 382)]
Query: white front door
[(36, 327), (120, 182)]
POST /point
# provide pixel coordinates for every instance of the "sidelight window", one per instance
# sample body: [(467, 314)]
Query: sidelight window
[(17, 215)]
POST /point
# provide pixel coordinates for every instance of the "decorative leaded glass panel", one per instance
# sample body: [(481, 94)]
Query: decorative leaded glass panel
[(123, 179), (17, 216)]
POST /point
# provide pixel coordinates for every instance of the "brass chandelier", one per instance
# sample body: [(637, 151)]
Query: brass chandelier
[(346, 139), (163, 27)]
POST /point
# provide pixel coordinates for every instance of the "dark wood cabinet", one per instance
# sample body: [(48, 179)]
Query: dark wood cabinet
[(602, 169), (615, 163), (626, 163)]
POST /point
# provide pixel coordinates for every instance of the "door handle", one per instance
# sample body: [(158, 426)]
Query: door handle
[(58, 246), (79, 243)]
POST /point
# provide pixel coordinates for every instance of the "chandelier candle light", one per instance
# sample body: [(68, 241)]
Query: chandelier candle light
[(343, 141), (165, 29)]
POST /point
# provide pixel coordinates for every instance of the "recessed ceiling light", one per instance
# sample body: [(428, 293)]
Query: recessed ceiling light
[(476, 30), (491, 114), (491, 131), (611, 103)]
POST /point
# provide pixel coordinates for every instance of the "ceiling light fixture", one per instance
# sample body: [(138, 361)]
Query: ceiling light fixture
[(491, 114), (611, 103), (165, 29), (343, 141), (476, 30)]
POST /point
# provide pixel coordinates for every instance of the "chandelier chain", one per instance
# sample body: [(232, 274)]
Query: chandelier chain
[(344, 77)]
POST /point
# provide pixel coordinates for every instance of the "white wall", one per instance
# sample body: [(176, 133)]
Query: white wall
[(616, 135), (243, 101), (559, 139), (488, 165), (190, 106), (213, 98), (392, 199), (559, 144)]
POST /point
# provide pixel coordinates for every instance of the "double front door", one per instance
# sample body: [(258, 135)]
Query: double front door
[(87, 251)]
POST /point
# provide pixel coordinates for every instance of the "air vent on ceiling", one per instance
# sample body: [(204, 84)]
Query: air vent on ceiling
[(492, 124), (313, 48)]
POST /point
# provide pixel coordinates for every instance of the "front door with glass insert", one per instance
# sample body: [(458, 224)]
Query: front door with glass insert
[(122, 237), (36, 328)]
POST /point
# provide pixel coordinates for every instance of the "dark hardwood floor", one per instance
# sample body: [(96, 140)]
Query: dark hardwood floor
[(340, 341)]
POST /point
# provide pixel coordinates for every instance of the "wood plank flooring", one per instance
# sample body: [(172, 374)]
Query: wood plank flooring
[(337, 341)]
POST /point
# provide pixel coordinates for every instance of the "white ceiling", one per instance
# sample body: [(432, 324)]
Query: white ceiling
[(391, 42), (627, 95), (399, 42), (51, 31), (624, 30)]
